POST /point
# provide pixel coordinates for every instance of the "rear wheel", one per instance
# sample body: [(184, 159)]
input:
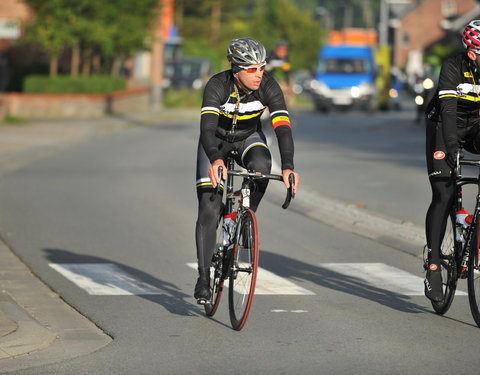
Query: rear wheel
[(216, 287), (448, 266), (474, 278), (244, 265)]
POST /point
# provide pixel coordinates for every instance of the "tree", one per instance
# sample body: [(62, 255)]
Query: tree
[(93, 29), (300, 29), (48, 29), (264, 20)]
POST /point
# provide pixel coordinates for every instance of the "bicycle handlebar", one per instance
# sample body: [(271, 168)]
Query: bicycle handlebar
[(458, 169), (256, 175)]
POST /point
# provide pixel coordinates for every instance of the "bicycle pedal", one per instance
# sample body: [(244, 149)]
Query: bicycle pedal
[(202, 301)]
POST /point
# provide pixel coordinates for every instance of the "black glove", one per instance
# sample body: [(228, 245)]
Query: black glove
[(451, 157)]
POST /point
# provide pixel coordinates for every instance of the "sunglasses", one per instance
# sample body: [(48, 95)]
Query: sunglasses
[(256, 69)]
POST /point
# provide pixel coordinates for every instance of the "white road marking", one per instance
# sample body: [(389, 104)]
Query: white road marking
[(383, 276), (104, 279), (270, 284)]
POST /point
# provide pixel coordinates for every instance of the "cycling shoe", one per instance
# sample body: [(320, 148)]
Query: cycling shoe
[(433, 283)]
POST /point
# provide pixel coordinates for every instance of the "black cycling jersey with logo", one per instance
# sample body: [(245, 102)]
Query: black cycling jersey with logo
[(219, 109), (456, 103)]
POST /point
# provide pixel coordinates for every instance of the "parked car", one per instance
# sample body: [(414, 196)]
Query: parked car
[(187, 72)]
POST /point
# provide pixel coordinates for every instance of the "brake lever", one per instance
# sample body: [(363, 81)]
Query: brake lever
[(290, 191), (458, 171), (217, 188)]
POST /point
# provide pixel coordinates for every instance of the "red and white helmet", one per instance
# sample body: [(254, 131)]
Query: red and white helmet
[(471, 36)]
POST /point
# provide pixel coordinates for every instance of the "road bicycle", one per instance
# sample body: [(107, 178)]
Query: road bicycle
[(459, 252), (236, 254)]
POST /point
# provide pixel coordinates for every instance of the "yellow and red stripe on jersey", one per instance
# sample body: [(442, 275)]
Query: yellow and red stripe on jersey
[(281, 120)]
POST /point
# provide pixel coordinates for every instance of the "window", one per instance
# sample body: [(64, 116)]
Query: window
[(406, 40), (449, 8)]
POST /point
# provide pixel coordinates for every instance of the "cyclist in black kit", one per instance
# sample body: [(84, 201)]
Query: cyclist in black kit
[(233, 102), (453, 120)]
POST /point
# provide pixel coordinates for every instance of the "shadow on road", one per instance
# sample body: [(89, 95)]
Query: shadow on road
[(294, 269), (172, 299)]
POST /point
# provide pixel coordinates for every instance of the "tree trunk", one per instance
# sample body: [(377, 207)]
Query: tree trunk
[(96, 63), (53, 67), (115, 67), (215, 26), (75, 61), (86, 66)]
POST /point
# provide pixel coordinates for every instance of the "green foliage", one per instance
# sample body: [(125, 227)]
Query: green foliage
[(48, 29), (108, 28), (185, 98), (70, 85), (265, 20), (439, 52), (303, 33), (14, 120)]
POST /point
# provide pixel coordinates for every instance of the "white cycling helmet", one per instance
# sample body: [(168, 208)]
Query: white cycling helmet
[(246, 51), (471, 36)]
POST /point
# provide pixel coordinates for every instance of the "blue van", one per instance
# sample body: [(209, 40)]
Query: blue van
[(345, 77)]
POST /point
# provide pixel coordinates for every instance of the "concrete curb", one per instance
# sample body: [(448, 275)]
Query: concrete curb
[(403, 236), (41, 327)]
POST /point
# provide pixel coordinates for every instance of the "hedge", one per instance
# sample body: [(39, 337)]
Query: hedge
[(72, 85)]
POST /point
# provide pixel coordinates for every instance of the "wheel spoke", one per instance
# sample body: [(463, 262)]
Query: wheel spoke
[(244, 270)]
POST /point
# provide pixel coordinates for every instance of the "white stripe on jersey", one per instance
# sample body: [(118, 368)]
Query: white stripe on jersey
[(277, 112), (210, 109), (462, 89), (254, 106)]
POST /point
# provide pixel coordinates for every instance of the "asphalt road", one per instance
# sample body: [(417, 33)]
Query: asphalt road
[(109, 225)]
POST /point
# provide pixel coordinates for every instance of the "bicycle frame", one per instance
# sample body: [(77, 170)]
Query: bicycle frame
[(244, 192), (461, 181), (236, 257)]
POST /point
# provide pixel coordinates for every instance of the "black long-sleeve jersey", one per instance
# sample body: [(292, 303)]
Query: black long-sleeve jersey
[(219, 110), (457, 101)]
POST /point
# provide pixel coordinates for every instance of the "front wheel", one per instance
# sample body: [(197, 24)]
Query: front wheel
[(217, 272), (244, 265), (449, 248), (474, 278)]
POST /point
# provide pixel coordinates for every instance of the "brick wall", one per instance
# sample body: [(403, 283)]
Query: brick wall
[(14, 10), (422, 25), (74, 106)]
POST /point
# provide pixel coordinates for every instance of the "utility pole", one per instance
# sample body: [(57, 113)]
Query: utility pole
[(160, 32)]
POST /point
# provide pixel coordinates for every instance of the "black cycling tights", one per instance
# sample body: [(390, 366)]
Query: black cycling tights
[(443, 194), (257, 158)]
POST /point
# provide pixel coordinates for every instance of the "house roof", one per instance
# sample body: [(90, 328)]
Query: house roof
[(458, 23)]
